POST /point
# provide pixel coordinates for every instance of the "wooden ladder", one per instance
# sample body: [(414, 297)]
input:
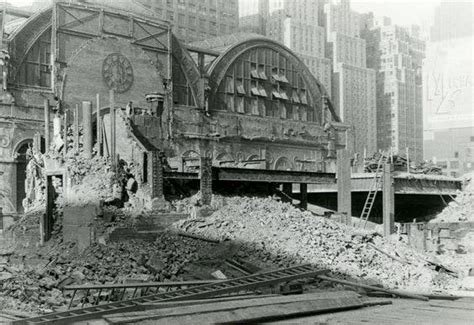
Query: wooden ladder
[(245, 283), (374, 188)]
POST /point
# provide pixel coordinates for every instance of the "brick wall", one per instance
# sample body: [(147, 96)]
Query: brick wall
[(87, 64)]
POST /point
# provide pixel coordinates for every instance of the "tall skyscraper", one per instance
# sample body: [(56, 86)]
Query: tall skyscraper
[(297, 24), (253, 16), (449, 89), (353, 84), (397, 53)]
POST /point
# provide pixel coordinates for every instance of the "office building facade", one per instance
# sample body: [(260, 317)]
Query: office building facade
[(353, 84), (397, 53)]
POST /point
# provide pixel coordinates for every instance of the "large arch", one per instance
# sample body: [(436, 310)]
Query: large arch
[(24, 38), (219, 70), (81, 23)]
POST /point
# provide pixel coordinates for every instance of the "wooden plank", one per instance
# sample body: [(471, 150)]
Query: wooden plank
[(439, 315), (454, 305), (255, 314), (394, 292), (139, 285), (336, 298)]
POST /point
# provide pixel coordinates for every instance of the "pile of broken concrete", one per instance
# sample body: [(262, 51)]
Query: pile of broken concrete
[(32, 279), (461, 209), (277, 233)]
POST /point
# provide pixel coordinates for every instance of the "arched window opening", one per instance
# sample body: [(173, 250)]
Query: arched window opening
[(35, 70), (265, 82)]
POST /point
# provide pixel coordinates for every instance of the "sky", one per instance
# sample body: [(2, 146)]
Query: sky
[(402, 12)]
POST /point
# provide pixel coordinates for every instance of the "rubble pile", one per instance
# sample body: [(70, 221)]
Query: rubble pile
[(462, 207), (32, 280), (275, 233)]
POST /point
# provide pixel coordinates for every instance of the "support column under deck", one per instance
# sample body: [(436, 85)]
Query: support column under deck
[(388, 200), (205, 176), (344, 194), (304, 196)]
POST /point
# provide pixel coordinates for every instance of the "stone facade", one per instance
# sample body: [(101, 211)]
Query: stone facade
[(205, 114)]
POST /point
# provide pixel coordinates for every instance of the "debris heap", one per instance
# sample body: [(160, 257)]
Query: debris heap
[(462, 207), (32, 279), (275, 233)]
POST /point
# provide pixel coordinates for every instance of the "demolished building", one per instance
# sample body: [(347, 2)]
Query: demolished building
[(252, 103)]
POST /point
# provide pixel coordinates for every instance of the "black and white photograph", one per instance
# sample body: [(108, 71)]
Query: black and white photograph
[(236, 162)]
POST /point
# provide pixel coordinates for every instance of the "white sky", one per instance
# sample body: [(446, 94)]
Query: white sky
[(402, 12), (20, 3)]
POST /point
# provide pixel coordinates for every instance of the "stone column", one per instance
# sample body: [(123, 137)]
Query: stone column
[(205, 176), (47, 136), (87, 128), (57, 131), (388, 200), (112, 128), (76, 128), (99, 126), (158, 203), (344, 193), (304, 196), (156, 176)]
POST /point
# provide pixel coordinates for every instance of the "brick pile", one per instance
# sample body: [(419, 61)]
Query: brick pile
[(273, 233)]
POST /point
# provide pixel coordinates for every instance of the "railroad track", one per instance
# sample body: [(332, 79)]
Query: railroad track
[(245, 283)]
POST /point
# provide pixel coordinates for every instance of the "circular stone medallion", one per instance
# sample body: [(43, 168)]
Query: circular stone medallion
[(117, 72)]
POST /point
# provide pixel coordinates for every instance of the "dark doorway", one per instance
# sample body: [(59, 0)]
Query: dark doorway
[(22, 161)]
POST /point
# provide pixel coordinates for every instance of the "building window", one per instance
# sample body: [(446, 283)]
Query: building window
[(303, 113), (254, 106), (294, 96), (261, 72), (229, 85), (239, 104), (442, 164), (254, 89), (456, 154), (229, 100), (263, 82), (276, 93), (36, 69), (304, 99), (240, 87), (454, 164)]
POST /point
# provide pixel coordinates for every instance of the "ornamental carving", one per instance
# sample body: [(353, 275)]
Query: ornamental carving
[(117, 72)]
